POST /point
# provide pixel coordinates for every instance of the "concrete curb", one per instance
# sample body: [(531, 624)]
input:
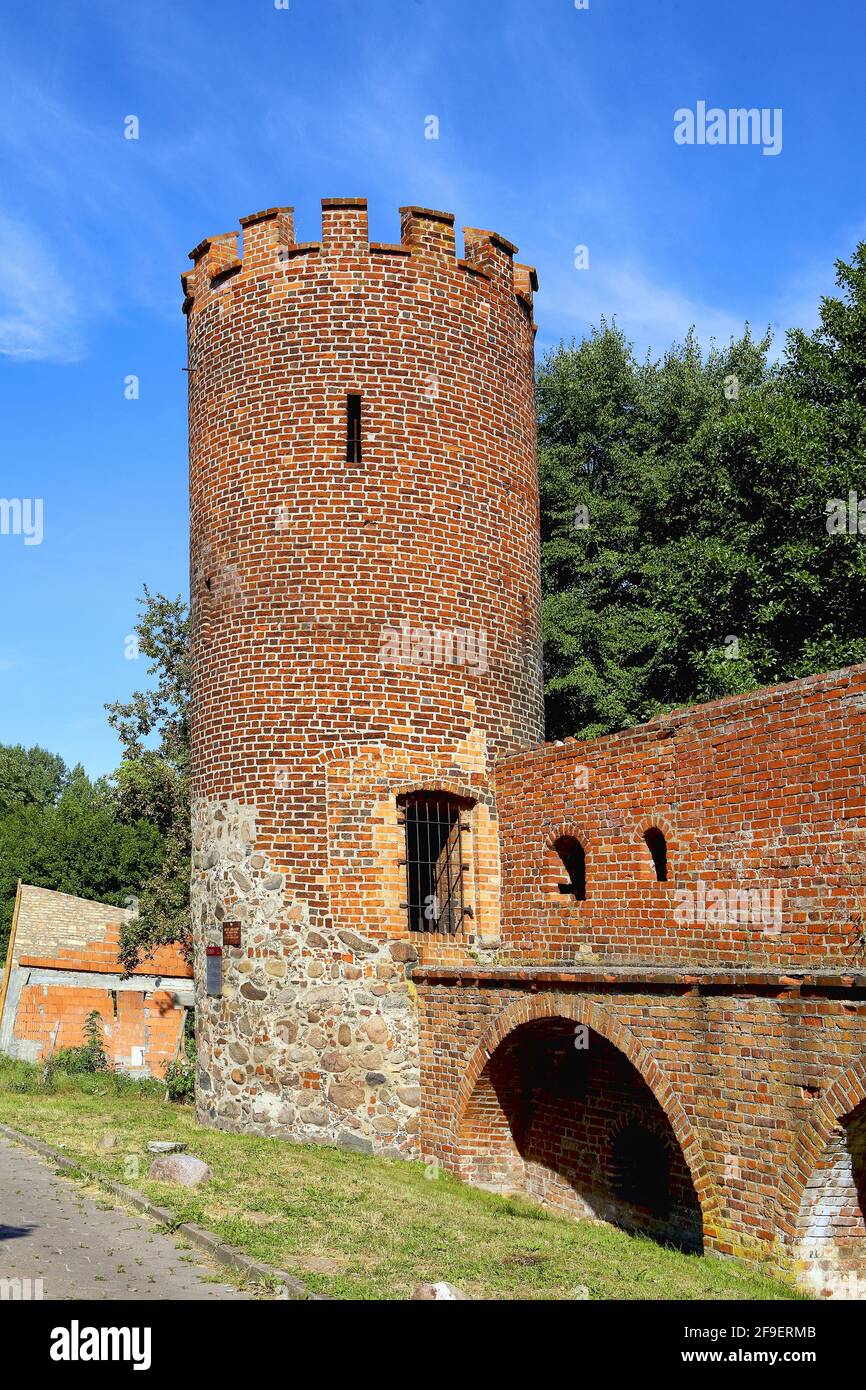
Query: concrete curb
[(291, 1288)]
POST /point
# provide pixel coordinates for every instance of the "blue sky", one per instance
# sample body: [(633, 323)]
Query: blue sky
[(555, 128)]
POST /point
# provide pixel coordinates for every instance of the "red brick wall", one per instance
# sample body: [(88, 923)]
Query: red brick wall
[(757, 794), (62, 931), (753, 1084), (74, 945), (130, 1019), (748, 1035), (102, 955), (300, 559)]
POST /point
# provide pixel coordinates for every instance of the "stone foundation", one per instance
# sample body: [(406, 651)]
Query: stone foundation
[(315, 1035)]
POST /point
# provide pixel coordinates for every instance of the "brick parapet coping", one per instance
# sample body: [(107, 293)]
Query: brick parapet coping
[(690, 977), (426, 235)]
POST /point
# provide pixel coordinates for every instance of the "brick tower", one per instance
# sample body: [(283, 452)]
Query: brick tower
[(365, 617)]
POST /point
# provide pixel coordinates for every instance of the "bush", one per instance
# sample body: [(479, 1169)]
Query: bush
[(90, 1057), (33, 1078), (180, 1077), (72, 1061), (21, 1078)]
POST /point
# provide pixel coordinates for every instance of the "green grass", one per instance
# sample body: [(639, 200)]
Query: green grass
[(352, 1226)]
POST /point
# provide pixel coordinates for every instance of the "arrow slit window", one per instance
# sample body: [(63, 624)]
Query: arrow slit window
[(353, 429)]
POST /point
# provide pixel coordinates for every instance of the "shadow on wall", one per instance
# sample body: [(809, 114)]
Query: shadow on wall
[(561, 1115)]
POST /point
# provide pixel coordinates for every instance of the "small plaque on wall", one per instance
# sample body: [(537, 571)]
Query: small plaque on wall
[(231, 933), (213, 976)]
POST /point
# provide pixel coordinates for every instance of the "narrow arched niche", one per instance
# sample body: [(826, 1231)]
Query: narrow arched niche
[(658, 848), (567, 861)]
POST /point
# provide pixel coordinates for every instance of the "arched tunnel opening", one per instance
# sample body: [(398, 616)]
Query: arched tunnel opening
[(563, 1116)]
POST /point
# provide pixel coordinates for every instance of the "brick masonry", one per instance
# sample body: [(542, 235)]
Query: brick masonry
[(63, 964), (683, 1055), (760, 798), (315, 585)]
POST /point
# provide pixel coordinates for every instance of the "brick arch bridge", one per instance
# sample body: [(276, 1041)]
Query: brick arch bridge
[(649, 1102), (735, 990), (733, 1062)]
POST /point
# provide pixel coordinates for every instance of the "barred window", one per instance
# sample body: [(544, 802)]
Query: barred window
[(436, 825)]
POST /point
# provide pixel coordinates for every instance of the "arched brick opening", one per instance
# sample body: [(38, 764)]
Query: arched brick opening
[(841, 1097), (657, 844), (830, 1235), (474, 791), (567, 865), (656, 841), (565, 869), (559, 1112)]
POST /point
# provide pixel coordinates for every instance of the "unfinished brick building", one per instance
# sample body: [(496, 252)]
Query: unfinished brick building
[(624, 976), (63, 963)]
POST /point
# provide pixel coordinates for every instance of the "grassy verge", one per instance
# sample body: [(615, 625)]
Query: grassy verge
[(352, 1226)]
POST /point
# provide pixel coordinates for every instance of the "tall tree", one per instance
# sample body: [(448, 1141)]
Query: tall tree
[(29, 777), (74, 845), (152, 781), (685, 546)]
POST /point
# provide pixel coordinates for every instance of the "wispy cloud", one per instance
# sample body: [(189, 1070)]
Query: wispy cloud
[(655, 309), (39, 311), (124, 212), (799, 298), (653, 312)]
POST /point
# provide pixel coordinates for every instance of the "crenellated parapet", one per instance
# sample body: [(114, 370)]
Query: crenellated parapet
[(267, 245)]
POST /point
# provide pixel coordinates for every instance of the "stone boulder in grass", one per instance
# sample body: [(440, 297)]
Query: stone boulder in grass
[(441, 1292), (184, 1169)]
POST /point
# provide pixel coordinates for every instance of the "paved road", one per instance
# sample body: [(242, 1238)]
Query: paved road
[(50, 1230)]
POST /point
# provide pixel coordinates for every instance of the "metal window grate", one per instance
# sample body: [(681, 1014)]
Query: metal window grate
[(353, 429), (434, 862)]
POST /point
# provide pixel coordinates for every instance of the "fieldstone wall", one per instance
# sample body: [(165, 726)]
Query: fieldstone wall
[(315, 1033)]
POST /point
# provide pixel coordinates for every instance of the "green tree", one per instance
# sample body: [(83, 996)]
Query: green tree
[(685, 548), (116, 840), (77, 845), (152, 782), (30, 777)]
